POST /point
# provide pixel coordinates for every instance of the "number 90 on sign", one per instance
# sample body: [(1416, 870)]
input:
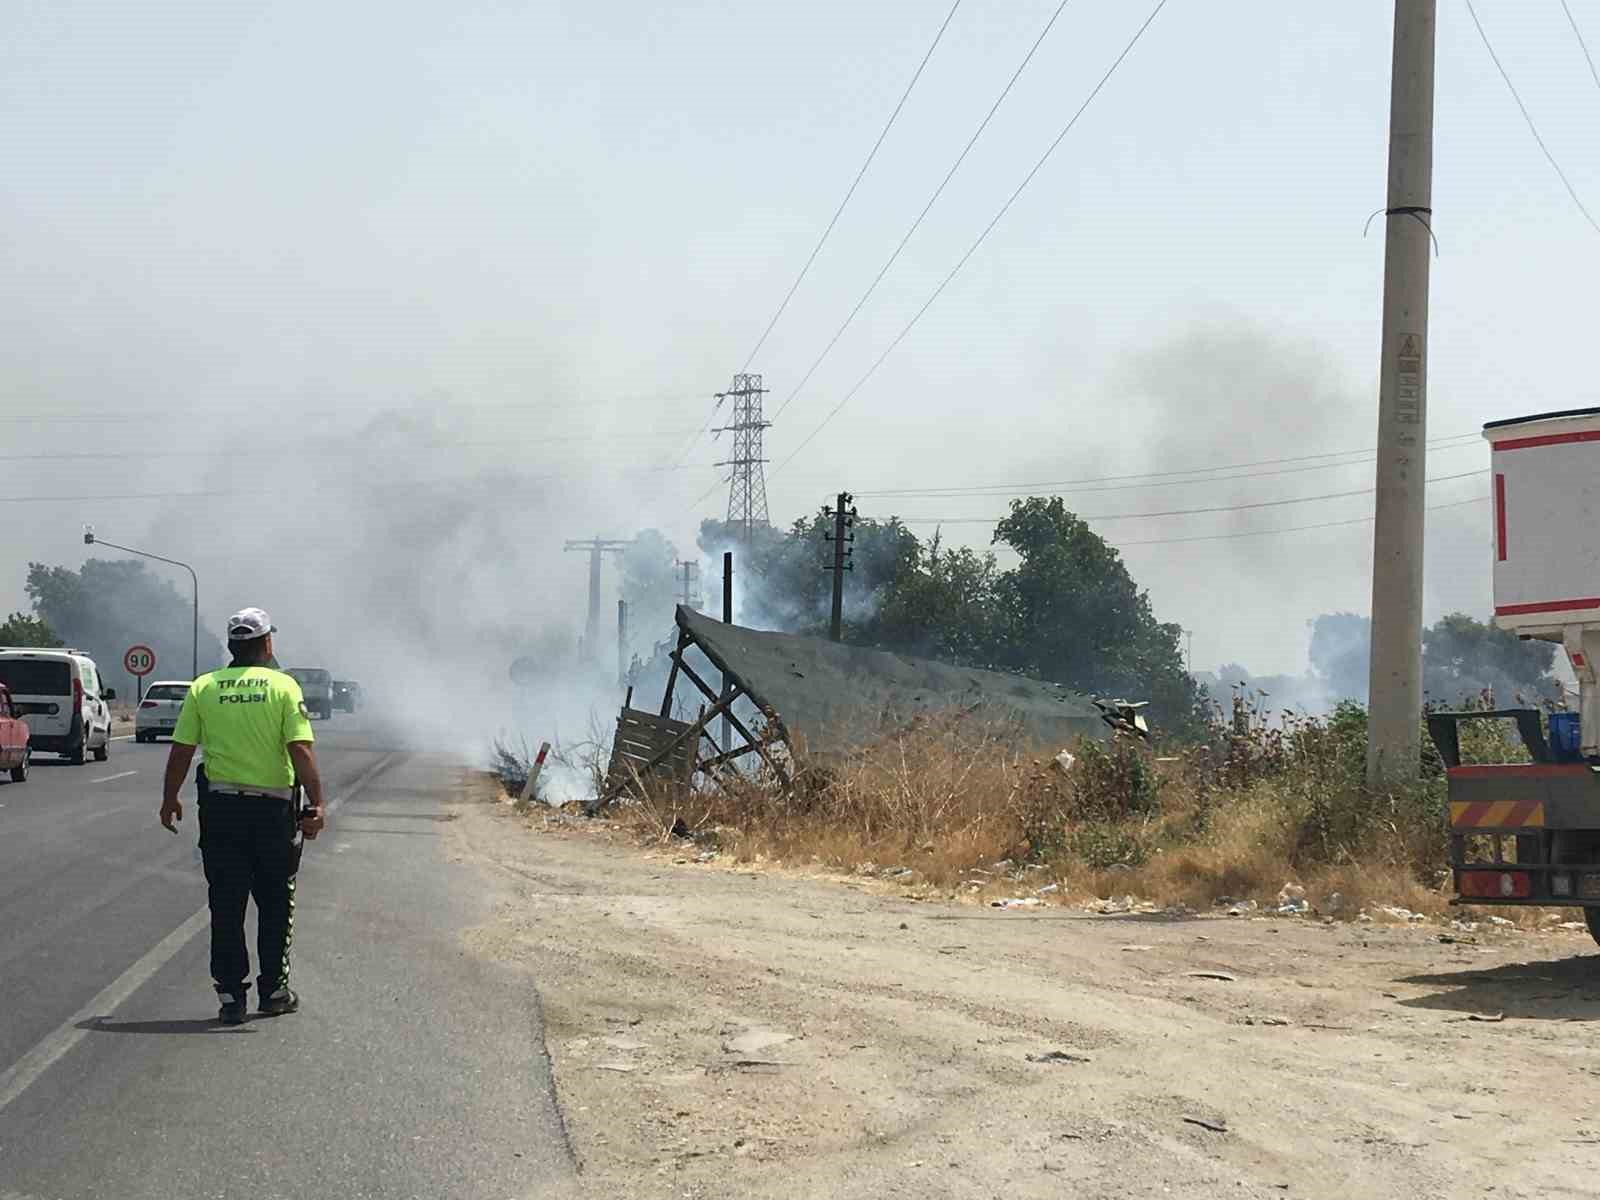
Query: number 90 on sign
[(139, 660)]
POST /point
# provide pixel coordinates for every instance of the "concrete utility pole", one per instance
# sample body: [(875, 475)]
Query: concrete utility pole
[(689, 597), (596, 549), (844, 516), (1394, 695), (622, 643)]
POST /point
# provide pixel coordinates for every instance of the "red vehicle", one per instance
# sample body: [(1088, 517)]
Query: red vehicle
[(14, 749)]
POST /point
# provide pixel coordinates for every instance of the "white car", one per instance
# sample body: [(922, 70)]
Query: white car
[(158, 711), (58, 694)]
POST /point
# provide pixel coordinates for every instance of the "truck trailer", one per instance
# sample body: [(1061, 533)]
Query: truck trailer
[(1529, 833)]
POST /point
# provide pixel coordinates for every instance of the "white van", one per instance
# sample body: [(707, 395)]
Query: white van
[(58, 694)]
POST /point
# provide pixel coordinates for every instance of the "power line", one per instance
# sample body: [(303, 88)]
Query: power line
[(971, 250), (817, 249), (1187, 512), (856, 182), (1582, 45), (1161, 478), (346, 485), (1219, 537), (175, 412), (926, 208), (300, 451), (701, 432), (1526, 116)]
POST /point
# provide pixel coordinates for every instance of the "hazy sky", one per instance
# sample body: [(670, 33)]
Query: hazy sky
[(518, 236)]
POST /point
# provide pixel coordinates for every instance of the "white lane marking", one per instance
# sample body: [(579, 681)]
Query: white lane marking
[(109, 778), (43, 1056), (16, 1079), (122, 737)]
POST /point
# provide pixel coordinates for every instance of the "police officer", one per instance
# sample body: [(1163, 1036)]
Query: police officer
[(251, 720)]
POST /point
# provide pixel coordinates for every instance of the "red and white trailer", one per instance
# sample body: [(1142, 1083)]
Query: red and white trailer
[(1529, 833)]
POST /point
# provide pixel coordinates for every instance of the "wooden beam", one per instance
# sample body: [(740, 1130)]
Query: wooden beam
[(717, 661), (672, 676), (725, 703), (717, 698), (707, 763), (666, 752)]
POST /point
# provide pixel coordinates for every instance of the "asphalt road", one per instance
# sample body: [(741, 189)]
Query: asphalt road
[(412, 1069)]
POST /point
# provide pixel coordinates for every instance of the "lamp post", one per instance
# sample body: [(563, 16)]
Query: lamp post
[(89, 539)]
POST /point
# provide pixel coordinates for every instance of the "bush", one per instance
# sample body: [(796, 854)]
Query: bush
[(1104, 845), (1260, 799)]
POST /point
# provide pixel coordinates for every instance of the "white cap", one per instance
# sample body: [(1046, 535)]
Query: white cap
[(248, 624)]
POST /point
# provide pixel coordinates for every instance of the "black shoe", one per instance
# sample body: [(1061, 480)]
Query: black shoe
[(279, 1003), (232, 1011)]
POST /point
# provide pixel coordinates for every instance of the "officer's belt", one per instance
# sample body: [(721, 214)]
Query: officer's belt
[(260, 793)]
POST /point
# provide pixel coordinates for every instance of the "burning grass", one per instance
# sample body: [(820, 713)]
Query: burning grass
[(949, 804)]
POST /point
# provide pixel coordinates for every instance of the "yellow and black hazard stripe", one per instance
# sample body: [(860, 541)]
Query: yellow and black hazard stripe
[(1497, 814)]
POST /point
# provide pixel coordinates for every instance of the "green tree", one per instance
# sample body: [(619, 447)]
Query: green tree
[(1070, 612), (780, 576), (1463, 658), (649, 586), (1341, 646), (109, 605), (940, 605), (19, 629)]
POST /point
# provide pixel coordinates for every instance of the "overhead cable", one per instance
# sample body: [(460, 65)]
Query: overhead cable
[(1109, 483), (851, 191), (1582, 45), (1219, 537), (926, 208), (1528, 117), (821, 241), (1187, 512), (971, 250)]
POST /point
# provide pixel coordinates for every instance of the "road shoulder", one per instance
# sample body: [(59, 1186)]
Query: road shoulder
[(719, 1032)]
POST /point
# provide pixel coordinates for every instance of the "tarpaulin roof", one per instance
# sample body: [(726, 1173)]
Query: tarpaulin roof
[(832, 696)]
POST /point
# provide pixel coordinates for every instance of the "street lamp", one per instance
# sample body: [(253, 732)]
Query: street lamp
[(89, 539)]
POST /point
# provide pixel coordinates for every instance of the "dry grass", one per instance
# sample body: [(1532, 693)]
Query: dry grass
[(965, 807)]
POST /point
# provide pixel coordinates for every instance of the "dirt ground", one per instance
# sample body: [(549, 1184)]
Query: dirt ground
[(727, 1032)]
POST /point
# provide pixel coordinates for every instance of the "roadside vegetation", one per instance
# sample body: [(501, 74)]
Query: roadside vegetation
[(950, 806)]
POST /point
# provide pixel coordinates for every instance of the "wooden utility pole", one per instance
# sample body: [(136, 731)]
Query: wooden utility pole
[(596, 548), (844, 517), (1394, 692), (727, 619)]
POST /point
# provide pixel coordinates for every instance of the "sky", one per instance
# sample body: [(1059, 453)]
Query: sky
[(403, 295)]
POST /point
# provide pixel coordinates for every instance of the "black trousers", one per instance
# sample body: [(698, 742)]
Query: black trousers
[(251, 847)]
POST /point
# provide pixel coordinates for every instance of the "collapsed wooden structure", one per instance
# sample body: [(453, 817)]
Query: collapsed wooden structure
[(819, 696)]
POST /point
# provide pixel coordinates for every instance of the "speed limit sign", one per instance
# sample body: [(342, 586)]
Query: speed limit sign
[(139, 660)]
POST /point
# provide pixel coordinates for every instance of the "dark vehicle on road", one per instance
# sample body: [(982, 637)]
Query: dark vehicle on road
[(14, 749), (316, 688), (346, 695)]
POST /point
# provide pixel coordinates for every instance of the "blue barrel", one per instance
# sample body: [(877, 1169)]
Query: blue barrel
[(1565, 736)]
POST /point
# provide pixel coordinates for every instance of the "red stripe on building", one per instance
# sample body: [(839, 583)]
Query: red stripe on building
[(1544, 606), (1517, 770), (1548, 439), (1500, 517)]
